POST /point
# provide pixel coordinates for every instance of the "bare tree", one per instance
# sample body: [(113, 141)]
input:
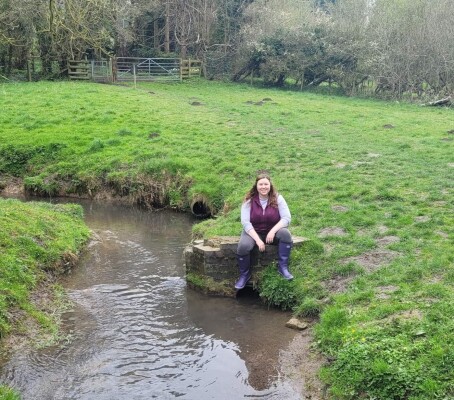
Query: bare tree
[(413, 52)]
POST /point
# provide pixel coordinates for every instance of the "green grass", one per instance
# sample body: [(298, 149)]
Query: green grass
[(8, 394), (373, 170)]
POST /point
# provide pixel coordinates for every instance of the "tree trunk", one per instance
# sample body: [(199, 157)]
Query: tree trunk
[(183, 51), (9, 63), (156, 42), (167, 29)]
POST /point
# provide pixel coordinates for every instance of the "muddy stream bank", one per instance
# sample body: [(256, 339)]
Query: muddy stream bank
[(136, 331)]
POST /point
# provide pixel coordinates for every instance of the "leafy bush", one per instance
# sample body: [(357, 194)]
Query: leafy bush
[(41, 186), (385, 368), (276, 291), (16, 159)]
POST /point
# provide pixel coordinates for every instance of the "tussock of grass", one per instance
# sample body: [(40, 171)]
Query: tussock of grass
[(371, 183), (8, 393)]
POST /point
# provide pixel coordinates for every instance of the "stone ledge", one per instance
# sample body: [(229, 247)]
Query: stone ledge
[(214, 260)]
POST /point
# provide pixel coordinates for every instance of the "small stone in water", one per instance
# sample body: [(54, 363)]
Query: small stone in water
[(295, 323)]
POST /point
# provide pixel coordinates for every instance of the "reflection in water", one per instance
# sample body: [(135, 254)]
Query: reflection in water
[(139, 333)]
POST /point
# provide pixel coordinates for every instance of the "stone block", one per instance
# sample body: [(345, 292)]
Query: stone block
[(215, 258)]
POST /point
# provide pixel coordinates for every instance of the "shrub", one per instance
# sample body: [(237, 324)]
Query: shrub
[(275, 290), (310, 307), (16, 159), (385, 368)]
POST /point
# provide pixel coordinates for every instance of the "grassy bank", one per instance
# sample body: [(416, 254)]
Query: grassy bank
[(38, 242), (371, 183)]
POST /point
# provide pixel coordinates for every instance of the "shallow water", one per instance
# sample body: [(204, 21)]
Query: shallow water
[(137, 332)]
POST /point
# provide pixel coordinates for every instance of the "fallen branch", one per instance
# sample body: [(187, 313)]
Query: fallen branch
[(442, 102)]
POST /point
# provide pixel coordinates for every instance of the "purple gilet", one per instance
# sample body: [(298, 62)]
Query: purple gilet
[(263, 218)]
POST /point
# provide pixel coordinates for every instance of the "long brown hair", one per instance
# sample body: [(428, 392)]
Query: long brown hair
[(272, 195)]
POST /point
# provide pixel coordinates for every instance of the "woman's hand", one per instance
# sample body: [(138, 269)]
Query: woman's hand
[(270, 237), (260, 245)]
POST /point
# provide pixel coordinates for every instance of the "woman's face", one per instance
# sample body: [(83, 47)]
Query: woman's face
[(263, 187)]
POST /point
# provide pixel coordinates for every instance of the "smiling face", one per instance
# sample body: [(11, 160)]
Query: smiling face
[(263, 187)]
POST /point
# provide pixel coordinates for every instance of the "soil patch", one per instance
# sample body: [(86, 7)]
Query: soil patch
[(340, 165), (384, 292), (332, 231), (442, 234), (26, 330), (339, 284), (328, 248), (300, 362), (360, 163), (387, 240), (339, 208), (373, 260), (422, 218), (406, 315), (12, 187)]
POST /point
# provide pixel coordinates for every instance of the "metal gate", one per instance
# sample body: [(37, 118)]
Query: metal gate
[(134, 69), (148, 69), (101, 71)]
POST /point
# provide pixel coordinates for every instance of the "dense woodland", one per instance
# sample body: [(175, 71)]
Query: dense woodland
[(389, 48)]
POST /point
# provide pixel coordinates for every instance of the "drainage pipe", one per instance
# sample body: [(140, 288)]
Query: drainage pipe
[(200, 208)]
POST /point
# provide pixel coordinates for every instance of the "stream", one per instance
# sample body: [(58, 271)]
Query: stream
[(136, 331)]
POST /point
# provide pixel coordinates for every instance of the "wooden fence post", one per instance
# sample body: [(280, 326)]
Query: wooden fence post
[(134, 73)]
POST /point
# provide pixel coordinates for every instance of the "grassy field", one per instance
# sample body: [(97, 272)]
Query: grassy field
[(370, 183)]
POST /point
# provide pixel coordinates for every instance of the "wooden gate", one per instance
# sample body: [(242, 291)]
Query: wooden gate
[(78, 69), (190, 68)]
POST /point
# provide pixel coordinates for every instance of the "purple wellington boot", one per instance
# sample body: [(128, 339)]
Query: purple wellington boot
[(283, 258), (244, 262)]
